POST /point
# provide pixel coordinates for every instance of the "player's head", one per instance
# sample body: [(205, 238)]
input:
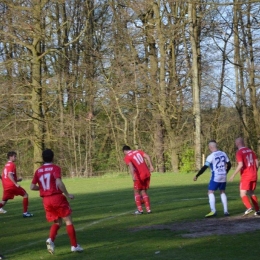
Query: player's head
[(47, 155), (212, 145), (11, 154), (126, 148), (239, 142)]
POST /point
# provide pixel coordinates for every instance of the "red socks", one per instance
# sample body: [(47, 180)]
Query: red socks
[(72, 235), (247, 203), (25, 204), (147, 202), (255, 202), (138, 202), (54, 231), (70, 230)]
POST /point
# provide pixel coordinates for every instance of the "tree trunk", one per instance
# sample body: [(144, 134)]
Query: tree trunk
[(195, 49), (36, 76), (151, 21)]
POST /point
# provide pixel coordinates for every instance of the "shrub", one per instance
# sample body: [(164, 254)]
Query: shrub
[(187, 160)]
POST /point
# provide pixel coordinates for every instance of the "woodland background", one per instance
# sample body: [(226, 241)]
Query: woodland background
[(86, 77)]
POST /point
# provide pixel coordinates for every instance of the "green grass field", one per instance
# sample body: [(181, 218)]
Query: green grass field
[(106, 227)]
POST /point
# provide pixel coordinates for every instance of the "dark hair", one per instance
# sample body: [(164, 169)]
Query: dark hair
[(126, 148), (10, 154), (47, 155)]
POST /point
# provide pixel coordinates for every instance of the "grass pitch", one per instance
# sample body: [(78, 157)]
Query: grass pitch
[(107, 229)]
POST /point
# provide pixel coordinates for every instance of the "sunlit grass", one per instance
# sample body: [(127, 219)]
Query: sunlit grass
[(102, 214)]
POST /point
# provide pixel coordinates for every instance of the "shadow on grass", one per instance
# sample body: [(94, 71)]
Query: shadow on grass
[(103, 216)]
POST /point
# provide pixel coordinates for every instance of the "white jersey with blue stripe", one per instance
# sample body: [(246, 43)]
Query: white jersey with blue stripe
[(217, 162)]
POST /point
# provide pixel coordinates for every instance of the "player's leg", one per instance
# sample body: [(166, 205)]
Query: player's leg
[(52, 235), (21, 192), (137, 196), (52, 216), (212, 201), (146, 200), (25, 203), (5, 198), (223, 196), (253, 197), (51, 207), (54, 229), (244, 187), (146, 184), (254, 200), (59, 206), (2, 203), (25, 206), (246, 202), (70, 230), (142, 199), (75, 247), (138, 202)]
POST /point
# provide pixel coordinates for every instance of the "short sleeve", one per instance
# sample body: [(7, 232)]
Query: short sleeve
[(35, 179), (57, 172), (239, 156), (209, 160)]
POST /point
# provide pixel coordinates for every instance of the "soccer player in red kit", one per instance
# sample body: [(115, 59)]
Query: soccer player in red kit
[(11, 187), (136, 161), (248, 167), (47, 179)]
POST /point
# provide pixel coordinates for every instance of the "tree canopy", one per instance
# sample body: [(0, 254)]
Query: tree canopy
[(86, 77)]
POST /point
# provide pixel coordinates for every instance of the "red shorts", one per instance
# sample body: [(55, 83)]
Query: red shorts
[(142, 184), (247, 185), (56, 206), (15, 191)]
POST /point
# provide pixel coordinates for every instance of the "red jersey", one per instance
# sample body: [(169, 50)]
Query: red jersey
[(136, 157), (7, 183), (46, 177), (249, 169)]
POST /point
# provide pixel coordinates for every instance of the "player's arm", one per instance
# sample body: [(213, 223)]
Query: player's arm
[(228, 166), (202, 170), (132, 170), (257, 164), (34, 187), (239, 167), (11, 177), (62, 187), (148, 159), (34, 182)]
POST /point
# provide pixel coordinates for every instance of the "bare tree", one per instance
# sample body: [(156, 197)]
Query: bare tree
[(31, 31), (194, 22)]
